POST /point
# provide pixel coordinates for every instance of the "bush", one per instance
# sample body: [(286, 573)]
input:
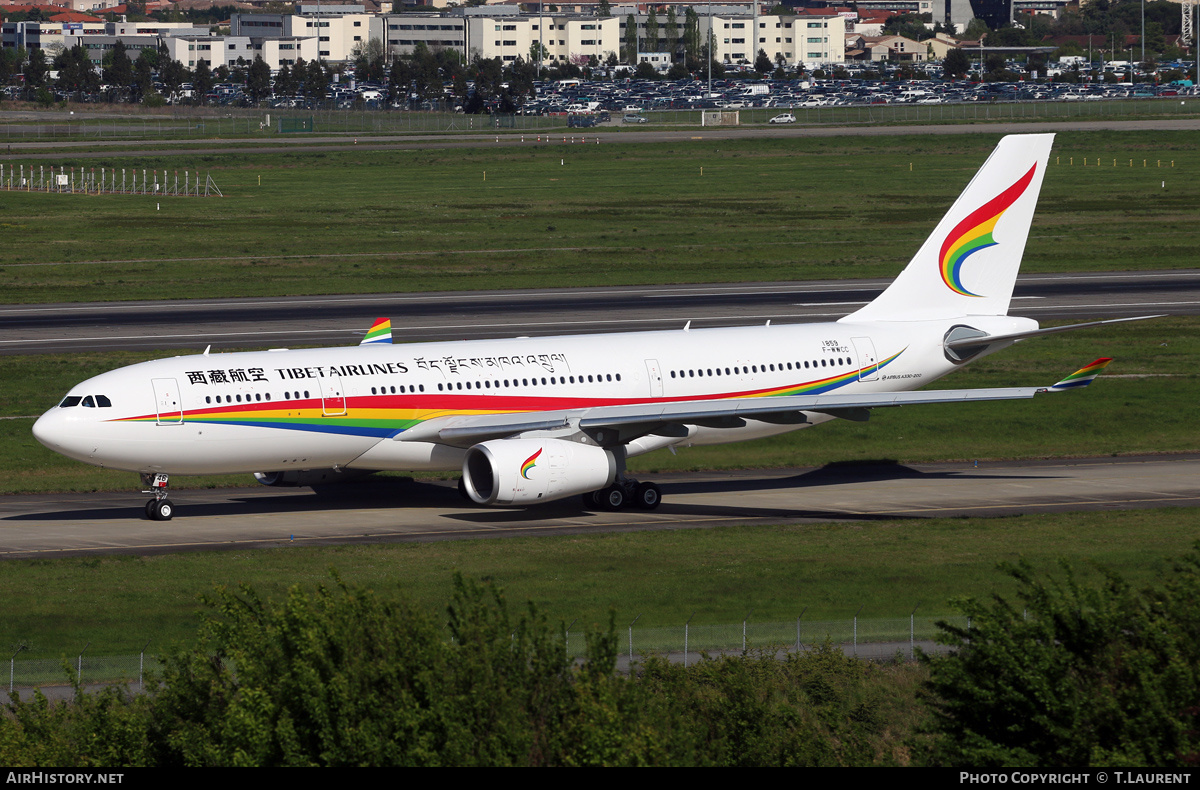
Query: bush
[(1092, 676)]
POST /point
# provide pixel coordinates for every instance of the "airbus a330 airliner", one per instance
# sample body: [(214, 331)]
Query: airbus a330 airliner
[(532, 420)]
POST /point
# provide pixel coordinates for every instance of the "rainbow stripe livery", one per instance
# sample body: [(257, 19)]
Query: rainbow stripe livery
[(380, 332), (530, 462), (975, 233), (1082, 377), (386, 416)]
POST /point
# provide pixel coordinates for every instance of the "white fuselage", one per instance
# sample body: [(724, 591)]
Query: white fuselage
[(351, 407)]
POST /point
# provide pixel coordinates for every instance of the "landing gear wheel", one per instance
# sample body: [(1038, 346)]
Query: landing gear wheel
[(613, 497), (591, 500), (647, 496), (160, 509)]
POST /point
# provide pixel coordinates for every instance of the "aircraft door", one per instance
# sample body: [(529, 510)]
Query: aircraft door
[(333, 397), (654, 375), (868, 363), (167, 403)]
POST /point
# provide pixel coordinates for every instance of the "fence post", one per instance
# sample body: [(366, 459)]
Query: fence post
[(79, 665), (12, 668), (567, 634), (912, 636), (744, 619), (631, 640), (142, 657), (802, 611), (685, 639), (856, 631)]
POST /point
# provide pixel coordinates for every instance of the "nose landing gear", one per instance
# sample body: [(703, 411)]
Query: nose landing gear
[(160, 508)]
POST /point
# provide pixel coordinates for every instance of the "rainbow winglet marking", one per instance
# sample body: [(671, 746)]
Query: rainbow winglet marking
[(380, 332), (975, 233), (1082, 377), (530, 462)]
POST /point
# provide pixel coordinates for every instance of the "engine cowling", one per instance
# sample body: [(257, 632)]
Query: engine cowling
[(308, 477), (526, 471)]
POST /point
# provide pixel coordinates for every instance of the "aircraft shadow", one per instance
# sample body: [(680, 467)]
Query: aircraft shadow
[(839, 473), (407, 493)]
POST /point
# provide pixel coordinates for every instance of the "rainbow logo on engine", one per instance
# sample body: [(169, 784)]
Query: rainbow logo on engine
[(975, 233), (530, 462)]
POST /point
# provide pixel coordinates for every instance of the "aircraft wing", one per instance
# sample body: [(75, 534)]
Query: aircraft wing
[(610, 425)]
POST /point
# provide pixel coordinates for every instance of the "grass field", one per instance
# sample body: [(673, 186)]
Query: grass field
[(555, 215), (885, 567)]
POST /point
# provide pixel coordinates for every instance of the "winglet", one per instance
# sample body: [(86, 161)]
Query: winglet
[(380, 332), (1082, 377)]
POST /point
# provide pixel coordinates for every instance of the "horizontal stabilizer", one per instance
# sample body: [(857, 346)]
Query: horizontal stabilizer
[(380, 332), (987, 340), (1082, 377)]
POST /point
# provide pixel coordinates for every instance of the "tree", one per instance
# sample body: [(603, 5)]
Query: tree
[(119, 72), (316, 80), (762, 63), (173, 74), (75, 71), (652, 31), (258, 80), (1076, 675), (202, 81), (36, 70), (339, 677), (604, 9), (369, 57), (691, 35), (631, 39), (671, 33), (956, 65)]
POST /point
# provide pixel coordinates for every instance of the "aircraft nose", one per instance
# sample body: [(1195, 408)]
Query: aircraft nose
[(56, 432), (48, 430)]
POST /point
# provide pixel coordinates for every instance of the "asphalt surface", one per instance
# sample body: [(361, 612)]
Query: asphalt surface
[(389, 509), (342, 320), (76, 149)]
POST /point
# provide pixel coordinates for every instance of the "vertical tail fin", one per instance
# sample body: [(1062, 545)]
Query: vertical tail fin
[(968, 266)]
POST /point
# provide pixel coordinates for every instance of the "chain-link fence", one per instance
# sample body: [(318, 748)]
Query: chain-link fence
[(130, 669), (869, 639)]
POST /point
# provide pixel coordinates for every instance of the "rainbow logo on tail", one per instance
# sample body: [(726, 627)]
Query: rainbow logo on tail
[(380, 332), (1082, 377), (530, 462), (975, 233)]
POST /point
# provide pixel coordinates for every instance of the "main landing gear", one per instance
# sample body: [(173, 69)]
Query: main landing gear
[(160, 508), (622, 494)]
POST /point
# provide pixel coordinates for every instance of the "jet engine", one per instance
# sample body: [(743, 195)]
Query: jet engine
[(526, 471), (308, 477)]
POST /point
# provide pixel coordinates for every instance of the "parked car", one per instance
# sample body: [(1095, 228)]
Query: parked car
[(785, 117), (631, 118)]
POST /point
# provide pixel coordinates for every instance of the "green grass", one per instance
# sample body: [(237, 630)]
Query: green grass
[(555, 215), (886, 567)]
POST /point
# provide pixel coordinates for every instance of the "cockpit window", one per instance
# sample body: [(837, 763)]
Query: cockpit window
[(69, 401), (103, 402), (89, 402)]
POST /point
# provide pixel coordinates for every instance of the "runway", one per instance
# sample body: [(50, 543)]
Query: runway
[(70, 150), (390, 510), (342, 320)]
